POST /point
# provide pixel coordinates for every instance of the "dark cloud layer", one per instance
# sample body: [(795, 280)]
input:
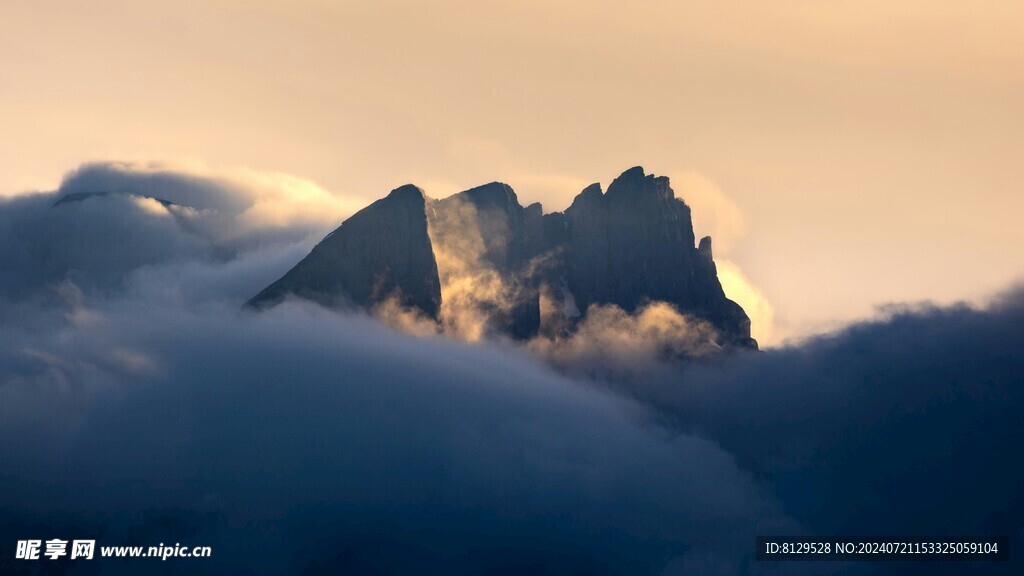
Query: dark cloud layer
[(139, 405), (905, 425), (911, 424), (301, 428)]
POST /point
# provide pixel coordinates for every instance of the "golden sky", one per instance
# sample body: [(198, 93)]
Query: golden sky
[(844, 154)]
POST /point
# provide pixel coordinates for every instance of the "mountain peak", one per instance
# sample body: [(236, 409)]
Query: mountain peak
[(492, 194), (634, 173), (408, 191), (634, 183), (380, 253)]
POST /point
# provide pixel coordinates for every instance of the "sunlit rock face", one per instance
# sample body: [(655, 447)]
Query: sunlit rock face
[(478, 263), (381, 253)]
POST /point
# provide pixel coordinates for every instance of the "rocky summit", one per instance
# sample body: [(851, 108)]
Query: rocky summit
[(635, 243), (628, 246), (381, 252)]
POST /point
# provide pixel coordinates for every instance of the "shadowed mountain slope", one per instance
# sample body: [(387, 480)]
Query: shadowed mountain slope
[(381, 252), (635, 244)]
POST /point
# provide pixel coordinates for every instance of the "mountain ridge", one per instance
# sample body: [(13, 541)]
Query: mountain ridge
[(628, 246)]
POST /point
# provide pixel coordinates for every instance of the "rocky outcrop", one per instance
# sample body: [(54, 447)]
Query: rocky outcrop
[(533, 229), (495, 211), (628, 246), (635, 244), (710, 302), (381, 252), (511, 235)]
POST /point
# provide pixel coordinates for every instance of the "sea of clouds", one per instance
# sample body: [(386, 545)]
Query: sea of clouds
[(140, 405)]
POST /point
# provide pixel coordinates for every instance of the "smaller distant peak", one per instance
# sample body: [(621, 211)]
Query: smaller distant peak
[(409, 191), (593, 189), (82, 196)]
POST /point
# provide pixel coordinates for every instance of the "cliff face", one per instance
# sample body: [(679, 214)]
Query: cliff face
[(381, 252), (635, 244), (494, 210), (509, 236), (629, 246)]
